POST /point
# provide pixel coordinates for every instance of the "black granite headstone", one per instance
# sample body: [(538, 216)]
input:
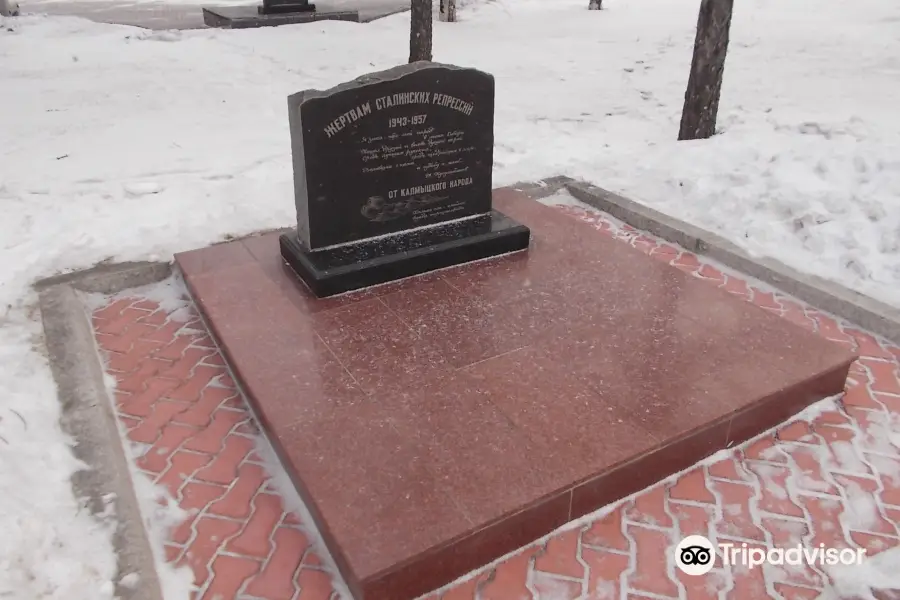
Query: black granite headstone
[(389, 170)]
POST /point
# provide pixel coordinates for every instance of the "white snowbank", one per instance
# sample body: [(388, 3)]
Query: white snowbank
[(126, 144), (50, 546), (806, 169), (861, 581)]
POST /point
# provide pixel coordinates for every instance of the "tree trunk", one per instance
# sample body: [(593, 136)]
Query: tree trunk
[(701, 99), (595, 5), (448, 11), (420, 30), (9, 8)]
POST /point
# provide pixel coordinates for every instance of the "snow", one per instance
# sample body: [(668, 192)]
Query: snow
[(847, 458), (604, 589), (549, 587), (125, 144), (859, 581), (862, 511), (161, 515), (50, 547), (160, 512), (882, 433), (170, 295), (806, 172), (130, 580), (797, 530), (887, 468), (811, 484), (767, 474), (282, 484), (142, 188)]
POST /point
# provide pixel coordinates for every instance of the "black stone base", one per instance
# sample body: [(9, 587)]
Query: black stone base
[(356, 266), (245, 17), (279, 8)]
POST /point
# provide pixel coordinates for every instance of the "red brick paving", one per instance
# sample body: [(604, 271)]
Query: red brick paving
[(175, 398)]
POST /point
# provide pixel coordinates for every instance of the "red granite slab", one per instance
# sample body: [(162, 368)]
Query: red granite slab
[(435, 424)]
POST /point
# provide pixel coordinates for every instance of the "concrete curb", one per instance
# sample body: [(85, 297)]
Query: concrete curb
[(857, 308), (110, 278), (87, 413)]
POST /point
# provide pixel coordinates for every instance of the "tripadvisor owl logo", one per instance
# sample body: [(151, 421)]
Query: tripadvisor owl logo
[(694, 555)]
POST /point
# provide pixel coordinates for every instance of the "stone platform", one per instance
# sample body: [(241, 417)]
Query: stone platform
[(163, 16), (435, 424), (247, 17)]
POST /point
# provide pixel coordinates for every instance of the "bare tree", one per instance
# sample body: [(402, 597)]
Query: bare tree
[(9, 8), (595, 5), (419, 30), (701, 99), (448, 11)]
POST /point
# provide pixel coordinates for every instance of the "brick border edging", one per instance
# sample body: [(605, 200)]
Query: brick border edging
[(857, 308), (87, 412)]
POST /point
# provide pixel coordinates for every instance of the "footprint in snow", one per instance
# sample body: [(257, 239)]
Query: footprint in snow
[(219, 177), (145, 188)]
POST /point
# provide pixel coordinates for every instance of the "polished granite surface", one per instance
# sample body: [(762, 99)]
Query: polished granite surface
[(435, 424)]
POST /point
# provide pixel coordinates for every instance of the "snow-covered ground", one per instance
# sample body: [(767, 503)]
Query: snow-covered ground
[(120, 143)]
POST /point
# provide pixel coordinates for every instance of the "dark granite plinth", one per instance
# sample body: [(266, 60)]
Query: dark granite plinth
[(285, 8), (351, 267), (276, 7), (434, 424), (246, 17)]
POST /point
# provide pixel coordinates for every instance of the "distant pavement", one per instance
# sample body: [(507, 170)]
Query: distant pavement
[(162, 15)]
